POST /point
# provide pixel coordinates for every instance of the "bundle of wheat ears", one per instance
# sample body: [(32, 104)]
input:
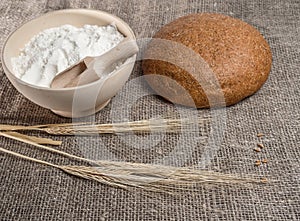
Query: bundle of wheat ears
[(126, 175)]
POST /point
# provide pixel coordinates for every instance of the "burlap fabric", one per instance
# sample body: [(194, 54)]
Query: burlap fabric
[(30, 191)]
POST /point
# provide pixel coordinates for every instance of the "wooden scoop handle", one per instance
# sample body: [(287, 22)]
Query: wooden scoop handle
[(98, 67)]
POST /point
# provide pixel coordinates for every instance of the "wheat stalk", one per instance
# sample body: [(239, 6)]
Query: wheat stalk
[(157, 178), (31, 139), (126, 175), (153, 125)]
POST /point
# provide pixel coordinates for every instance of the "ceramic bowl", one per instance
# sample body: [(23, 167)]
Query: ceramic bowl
[(68, 102)]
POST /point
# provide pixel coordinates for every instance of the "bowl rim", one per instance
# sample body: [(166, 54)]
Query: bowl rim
[(53, 13)]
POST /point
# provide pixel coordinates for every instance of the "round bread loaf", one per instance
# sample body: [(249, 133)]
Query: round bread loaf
[(213, 57)]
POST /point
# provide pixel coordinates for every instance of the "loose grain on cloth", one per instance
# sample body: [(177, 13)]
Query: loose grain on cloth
[(34, 192)]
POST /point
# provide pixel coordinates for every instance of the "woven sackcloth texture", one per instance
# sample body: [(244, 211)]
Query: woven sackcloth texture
[(29, 191)]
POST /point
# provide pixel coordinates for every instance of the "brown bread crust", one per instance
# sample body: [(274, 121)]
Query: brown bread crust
[(235, 51)]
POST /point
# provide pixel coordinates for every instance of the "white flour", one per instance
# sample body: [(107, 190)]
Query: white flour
[(53, 50)]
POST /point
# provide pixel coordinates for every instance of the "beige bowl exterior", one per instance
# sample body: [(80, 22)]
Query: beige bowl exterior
[(69, 102)]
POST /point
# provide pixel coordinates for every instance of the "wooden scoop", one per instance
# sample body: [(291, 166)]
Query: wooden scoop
[(91, 69)]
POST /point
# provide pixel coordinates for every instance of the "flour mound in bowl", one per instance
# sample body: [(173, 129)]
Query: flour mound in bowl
[(54, 50)]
